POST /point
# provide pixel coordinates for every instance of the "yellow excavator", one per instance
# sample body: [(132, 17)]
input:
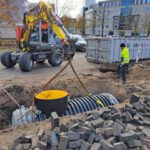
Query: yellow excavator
[(38, 41)]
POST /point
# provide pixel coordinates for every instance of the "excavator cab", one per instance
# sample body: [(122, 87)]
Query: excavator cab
[(43, 39), (44, 31)]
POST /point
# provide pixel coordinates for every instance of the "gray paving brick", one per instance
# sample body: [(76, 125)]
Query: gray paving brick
[(63, 143), (97, 123), (42, 145), (120, 146), (146, 141), (54, 119), (91, 138), (134, 143), (95, 146), (72, 136), (108, 132), (125, 137), (85, 146), (105, 145), (75, 144), (117, 129), (53, 139), (134, 98)]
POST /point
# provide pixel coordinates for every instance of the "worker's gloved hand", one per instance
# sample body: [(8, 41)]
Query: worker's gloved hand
[(119, 68), (120, 65)]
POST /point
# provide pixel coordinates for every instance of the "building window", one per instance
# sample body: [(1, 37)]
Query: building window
[(112, 4), (126, 11), (140, 2), (118, 4), (129, 22), (144, 1), (148, 1), (109, 4), (127, 2), (135, 2), (107, 26), (116, 21)]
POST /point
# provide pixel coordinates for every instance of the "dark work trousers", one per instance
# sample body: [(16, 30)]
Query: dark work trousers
[(123, 71)]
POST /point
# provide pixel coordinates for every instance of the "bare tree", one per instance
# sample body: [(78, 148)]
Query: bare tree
[(66, 21), (63, 8), (80, 24), (8, 13)]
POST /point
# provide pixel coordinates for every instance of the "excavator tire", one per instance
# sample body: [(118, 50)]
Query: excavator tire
[(55, 59), (6, 60), (25, 62)]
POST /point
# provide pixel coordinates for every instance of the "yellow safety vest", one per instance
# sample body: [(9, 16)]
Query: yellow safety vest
[(125, 55)]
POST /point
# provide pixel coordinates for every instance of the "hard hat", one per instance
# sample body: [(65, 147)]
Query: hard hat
[(122, 45)]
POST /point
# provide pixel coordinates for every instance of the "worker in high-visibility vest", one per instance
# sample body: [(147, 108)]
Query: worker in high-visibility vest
[(125, 59)]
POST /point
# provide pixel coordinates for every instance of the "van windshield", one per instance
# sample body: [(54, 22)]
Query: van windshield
[(80, 38)]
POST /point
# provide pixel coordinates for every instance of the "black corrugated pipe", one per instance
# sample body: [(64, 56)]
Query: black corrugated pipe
[(84, 104), (75, 106)]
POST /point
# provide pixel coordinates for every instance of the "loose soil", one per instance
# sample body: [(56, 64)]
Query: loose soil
[(94, 80)]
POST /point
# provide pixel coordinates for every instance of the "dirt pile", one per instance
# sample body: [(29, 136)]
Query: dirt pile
[(140, 72), (21, 94)]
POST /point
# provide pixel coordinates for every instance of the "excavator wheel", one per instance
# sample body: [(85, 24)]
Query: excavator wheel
[(6, 60), (55, 59), (25, 62)]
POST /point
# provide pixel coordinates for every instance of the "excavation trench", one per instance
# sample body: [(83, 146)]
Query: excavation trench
[(24, 94)]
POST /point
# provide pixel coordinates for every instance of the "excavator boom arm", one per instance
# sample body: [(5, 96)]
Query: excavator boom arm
[(44, 12)]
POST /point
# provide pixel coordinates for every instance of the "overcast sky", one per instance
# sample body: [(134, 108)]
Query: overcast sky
[(77, 3)]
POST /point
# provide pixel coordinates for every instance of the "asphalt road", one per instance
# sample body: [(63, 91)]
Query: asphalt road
[(80, 63)]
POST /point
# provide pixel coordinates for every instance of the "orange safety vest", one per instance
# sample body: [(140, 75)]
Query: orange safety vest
[(44, 26)]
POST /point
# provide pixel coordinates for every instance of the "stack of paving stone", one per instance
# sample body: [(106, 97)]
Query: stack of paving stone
[(109, 128)]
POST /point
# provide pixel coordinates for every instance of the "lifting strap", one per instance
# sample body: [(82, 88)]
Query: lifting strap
[(84, 87), (89, 94)]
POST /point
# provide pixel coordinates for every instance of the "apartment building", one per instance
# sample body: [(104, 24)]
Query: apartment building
[(118, 17)]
